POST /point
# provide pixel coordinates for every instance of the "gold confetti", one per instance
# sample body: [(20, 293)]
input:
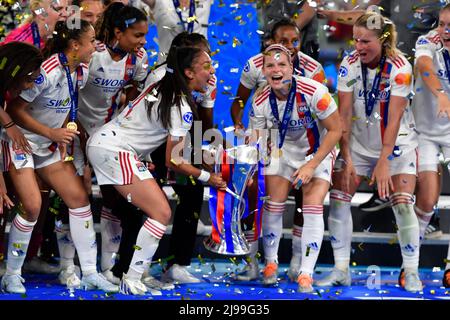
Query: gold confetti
[(236, 42), (192, 180), (16, 69), (200, 259), (136, 247), (360, 246), (2, 64), (86, 224), (173, 162), (354, 264), (209, 295), (214, 53)]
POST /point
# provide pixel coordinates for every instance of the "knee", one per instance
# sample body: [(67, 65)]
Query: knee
[(426, 205), (32, 209), (78, 199), (166, 213)]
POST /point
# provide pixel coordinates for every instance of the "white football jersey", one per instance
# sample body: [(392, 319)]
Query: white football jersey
[(133, 130), (252, 76), (304, 132), (424, 105), (106, 78), (49, 100), (168, 22), (367, 133), (205, 100)]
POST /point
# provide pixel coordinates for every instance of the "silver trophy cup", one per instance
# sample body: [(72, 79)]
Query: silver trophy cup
[(245, 160)]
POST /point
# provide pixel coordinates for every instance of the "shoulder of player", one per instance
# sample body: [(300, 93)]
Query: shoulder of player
[(307, 86), (256, 61), (352, 58), (431, 37), (399, 62), (50, 66), (141, 53), (100, 46), (261, 95), (308, 63)]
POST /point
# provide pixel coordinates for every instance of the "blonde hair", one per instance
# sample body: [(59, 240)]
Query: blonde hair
[(385, 30), (33, 6)]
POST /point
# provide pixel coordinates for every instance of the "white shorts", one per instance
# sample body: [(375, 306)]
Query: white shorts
[(285, 166), (406, 163), (23, 160), (116, 167), (430, 149), (78, 156)]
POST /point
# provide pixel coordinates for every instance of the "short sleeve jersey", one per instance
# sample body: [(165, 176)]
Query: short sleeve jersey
[(304, 133), (424, 104), (367, 132), (97, 100)]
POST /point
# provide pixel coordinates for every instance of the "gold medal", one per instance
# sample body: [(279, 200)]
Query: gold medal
[(72, 126)]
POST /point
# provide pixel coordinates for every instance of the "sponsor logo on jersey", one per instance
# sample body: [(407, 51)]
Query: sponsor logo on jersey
[(39, 79), (297, 124), (343, 72), (247, 67), (114, 83), (188, 117), (58, 104), (442, 74)]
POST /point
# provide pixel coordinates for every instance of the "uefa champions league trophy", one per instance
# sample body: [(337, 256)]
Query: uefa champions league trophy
[(227, 237)]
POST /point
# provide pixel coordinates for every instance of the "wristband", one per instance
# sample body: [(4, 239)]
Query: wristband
[(204, 176)]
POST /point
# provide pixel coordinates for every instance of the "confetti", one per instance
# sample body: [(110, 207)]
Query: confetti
[(16, 69), (129, 197), (192, 180), (351, 82), (172, 161), (2, 64)]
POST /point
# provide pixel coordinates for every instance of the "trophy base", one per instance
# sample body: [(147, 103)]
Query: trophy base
[(240, 246)]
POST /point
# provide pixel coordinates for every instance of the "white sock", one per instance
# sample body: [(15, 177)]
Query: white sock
[(83, 237), (111, 233), (424, 219), (253, 244), (296, 244), (146, 244), (408, 229), (313, 228), (19, 238), (272, 227), (65, 245), (340, 225)]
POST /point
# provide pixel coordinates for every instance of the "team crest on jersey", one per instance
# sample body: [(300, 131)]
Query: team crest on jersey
[(247, 67), (302, 108), (188, 117), (422, 41), (343, 72), (39, 79)]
